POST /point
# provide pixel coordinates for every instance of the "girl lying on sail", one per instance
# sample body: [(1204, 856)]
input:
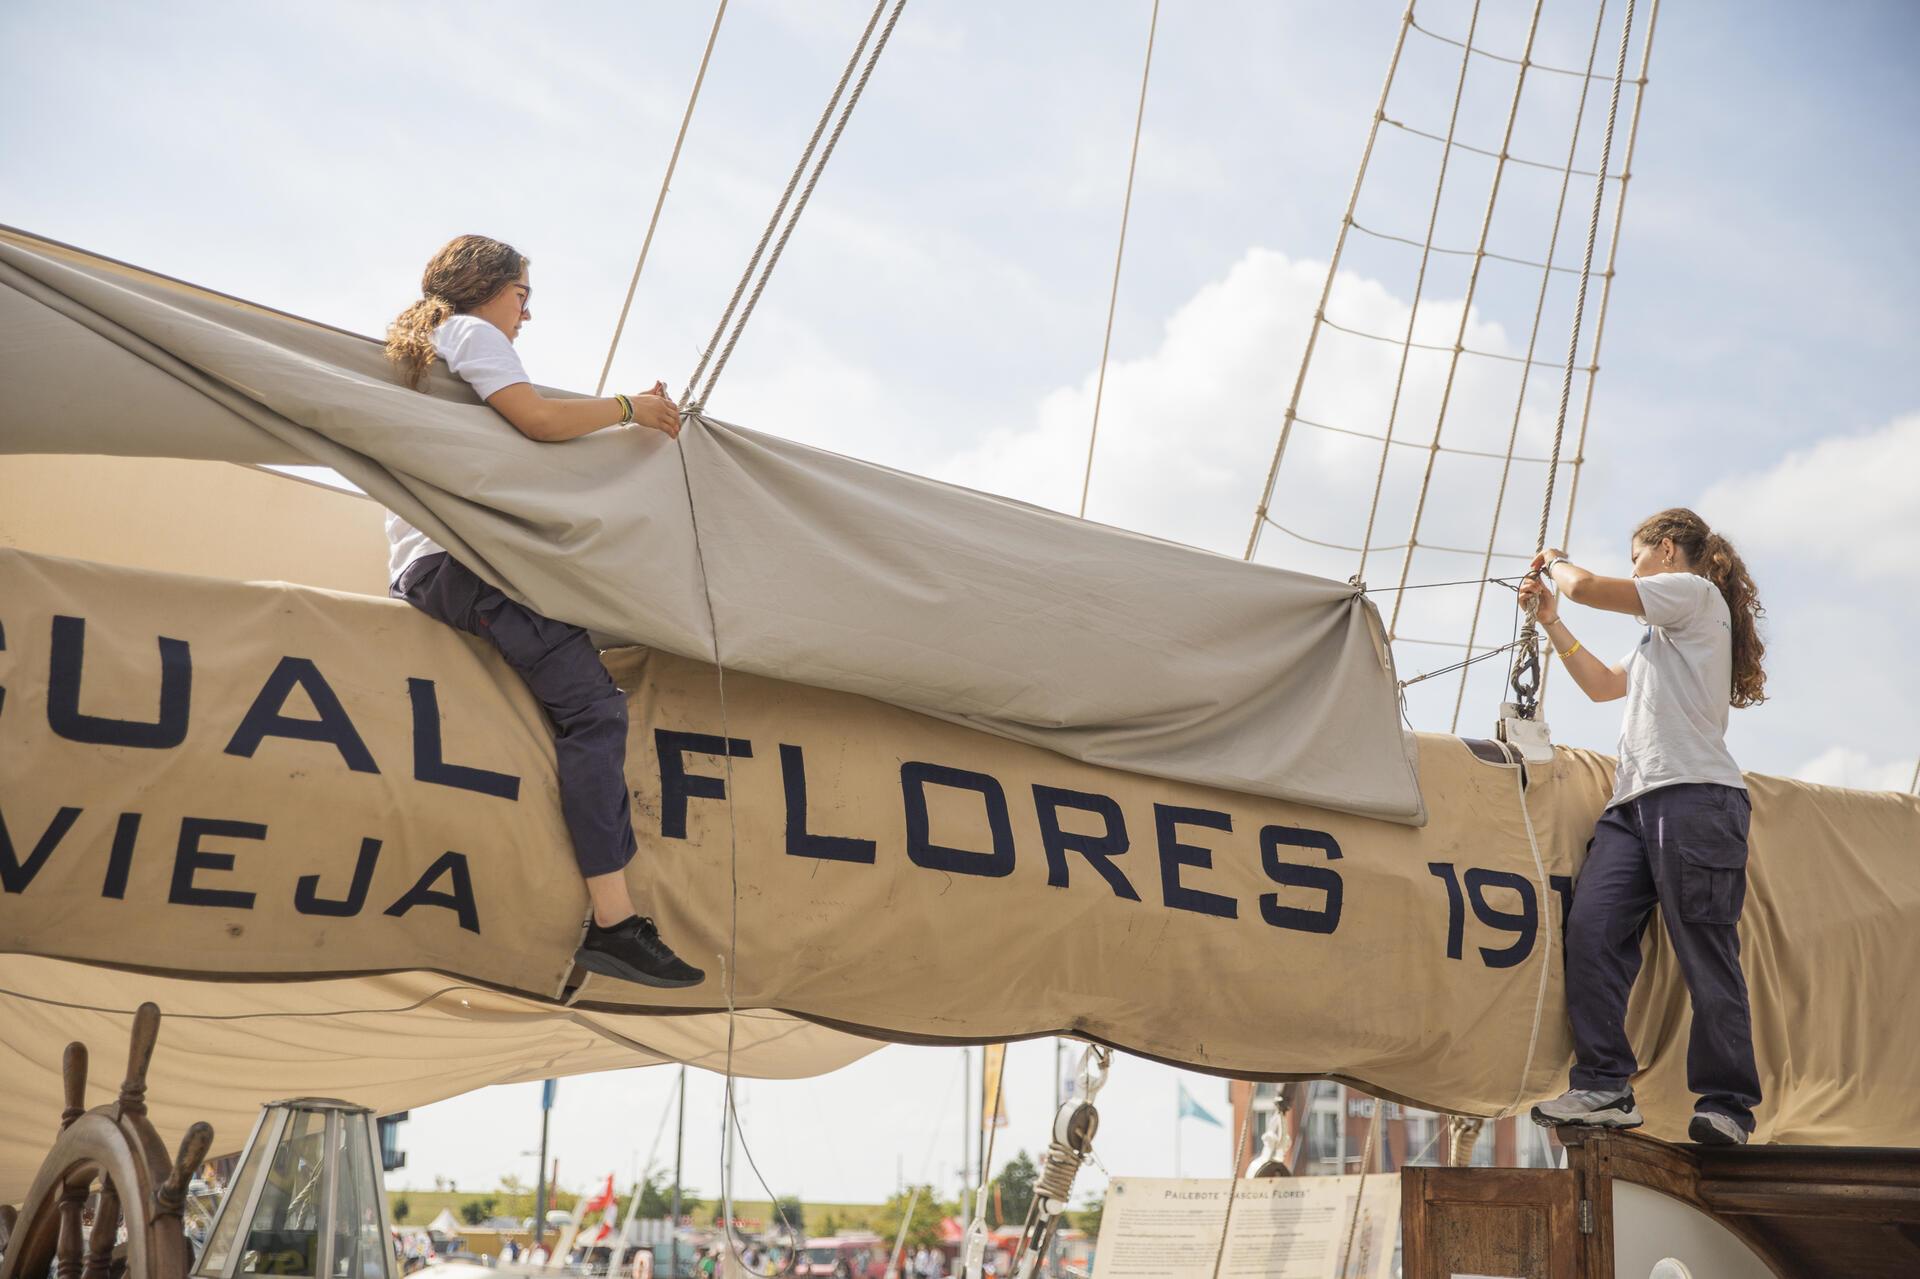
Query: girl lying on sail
[(1675, 832), (474, 299)]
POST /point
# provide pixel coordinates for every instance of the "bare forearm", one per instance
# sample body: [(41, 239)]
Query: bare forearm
[(1596, 679), (571, 419)]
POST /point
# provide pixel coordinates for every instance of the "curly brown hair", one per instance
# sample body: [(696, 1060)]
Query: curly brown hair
[(468, 271), (1714, 558)]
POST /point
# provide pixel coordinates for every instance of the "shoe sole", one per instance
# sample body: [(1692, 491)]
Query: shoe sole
[(607, 966), (1701, 1132), (1621, 1119)]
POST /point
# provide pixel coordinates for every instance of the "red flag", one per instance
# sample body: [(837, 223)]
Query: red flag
[(601, 1201)]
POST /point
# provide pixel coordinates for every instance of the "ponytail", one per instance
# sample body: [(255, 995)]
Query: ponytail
[(410, 338), (467, 271), (1714, 558)]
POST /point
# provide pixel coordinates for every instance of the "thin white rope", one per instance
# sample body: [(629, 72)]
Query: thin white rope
[(1113, 295), (1437, 346), (1460, 332), (1462, 253), (1606, 291), (1397, 546), (1501, 57), (660, 201), (1326, 289), (1546, 936), (1533, 338), (1419, 285), (800, 207), (1454, 449), (1913, 787), (1458, 145), (1586, 270)]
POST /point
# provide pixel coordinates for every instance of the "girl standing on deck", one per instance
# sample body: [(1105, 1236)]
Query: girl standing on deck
[(1675, 832), (474, 298)]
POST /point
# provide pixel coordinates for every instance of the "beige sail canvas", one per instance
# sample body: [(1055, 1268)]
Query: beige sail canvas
[(337, 787)]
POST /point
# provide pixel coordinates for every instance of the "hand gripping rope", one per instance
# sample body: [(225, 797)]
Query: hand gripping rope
[(1073, 1130)]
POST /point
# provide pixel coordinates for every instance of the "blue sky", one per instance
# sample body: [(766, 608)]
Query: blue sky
[(941, 308)]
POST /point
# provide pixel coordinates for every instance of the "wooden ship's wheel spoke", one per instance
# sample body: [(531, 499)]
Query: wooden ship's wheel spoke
[(116, 1148)]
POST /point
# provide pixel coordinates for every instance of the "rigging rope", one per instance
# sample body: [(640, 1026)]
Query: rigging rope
[(1501, 57), (666, 180), (1460, 333), (1233, 1182), (1359, 1191), (1436, 346), (1419, 287), (1377, 438), (1528, 691), (1461, 253), (1533, 338), (1586, 271), (1457, 145), (1606, 283), (1113, 295), (1326, 289), (1342, 546), (692, 402)]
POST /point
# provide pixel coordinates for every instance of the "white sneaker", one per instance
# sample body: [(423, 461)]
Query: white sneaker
[(1595, 1107), (1711, 1129)]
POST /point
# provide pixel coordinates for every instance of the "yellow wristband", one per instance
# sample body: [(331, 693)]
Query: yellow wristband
[(1570, 652)]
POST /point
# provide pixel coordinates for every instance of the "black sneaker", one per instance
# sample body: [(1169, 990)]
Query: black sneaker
[(1710, 1128), (632, 951)]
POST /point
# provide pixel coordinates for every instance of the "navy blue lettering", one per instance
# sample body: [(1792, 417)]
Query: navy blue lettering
[(1099, 850), (65, 717), (1456, 906), (1525, 923), (915, 777), (429, 759), (15, 874), (800, 841), (120, 857), (1323, 879), (1167, 820), (306, 893), (264, 718), (677, 785), (1562, 886), (189, 859), (458, 898)]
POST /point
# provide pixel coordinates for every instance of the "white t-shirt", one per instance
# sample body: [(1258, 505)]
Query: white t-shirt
[(1679, 682), (481, 354)]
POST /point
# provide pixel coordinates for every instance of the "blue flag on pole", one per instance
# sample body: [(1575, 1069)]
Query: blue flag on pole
[(1191, 1109)]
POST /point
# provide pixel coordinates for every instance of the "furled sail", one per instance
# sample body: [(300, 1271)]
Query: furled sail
[(228, 782), (1102, 645)]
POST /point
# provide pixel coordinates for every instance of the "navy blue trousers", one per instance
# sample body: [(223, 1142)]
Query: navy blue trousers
[(562, 668), (1682, 848)]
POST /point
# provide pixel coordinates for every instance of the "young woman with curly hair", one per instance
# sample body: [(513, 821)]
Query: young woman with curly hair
[(474, 298), (1674, 833)]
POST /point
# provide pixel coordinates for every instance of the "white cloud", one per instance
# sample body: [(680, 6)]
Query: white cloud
[(1844, 766), (1848, 502)]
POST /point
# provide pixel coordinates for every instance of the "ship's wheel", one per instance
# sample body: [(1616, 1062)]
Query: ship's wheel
[(110, 1158)]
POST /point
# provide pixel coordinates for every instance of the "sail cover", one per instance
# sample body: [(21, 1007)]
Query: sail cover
[(228, 783), (1102, 645)]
